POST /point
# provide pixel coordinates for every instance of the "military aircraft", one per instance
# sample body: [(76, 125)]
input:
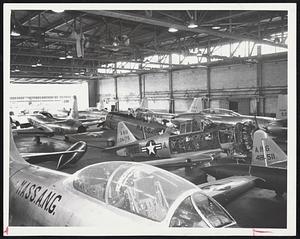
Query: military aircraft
[(113, 193), (166, 118), (45, 124), (230, 117), (167, 148), (268, 162)]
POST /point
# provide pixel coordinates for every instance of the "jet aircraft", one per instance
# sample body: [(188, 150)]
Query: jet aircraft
[(165, 118), (268, 162), (113, 193), (45, 124)]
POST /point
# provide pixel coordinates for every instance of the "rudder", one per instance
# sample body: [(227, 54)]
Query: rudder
[(124, 135), (265, 151), (74, 111), (144, 103), (196, 105)]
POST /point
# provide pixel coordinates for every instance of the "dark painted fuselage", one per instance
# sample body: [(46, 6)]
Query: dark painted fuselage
[(58, 126)]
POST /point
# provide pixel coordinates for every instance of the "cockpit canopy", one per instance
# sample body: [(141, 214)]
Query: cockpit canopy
[(147, 191)]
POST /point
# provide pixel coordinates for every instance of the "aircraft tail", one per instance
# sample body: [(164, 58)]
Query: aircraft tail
[(281, 107), (124, 135), (72, 158), (196, 106), (144, 103), (265, 151), (74, 111), (14, 154)]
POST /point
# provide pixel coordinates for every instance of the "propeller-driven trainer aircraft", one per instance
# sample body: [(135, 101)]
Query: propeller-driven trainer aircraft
[(114, 193), (230, 117), (198, 146), (268, 163)]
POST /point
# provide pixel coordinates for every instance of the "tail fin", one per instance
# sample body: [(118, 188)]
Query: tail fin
[(14, 154), (74, 111), (265, 151), (281, 107), (196, 106), (66, 159), (144, 103), (124, 135)]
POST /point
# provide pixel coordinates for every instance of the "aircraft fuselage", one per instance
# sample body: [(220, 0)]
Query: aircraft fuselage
[(61, 127)]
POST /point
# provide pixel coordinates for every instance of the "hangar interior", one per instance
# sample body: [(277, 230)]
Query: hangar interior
[(113, 59), (237, 59)]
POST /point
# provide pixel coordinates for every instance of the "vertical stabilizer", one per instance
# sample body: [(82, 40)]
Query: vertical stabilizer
[(265, 151), (124, 135), (74, 111), (144, 103), (14, 154), (281, 107), (196, 106)]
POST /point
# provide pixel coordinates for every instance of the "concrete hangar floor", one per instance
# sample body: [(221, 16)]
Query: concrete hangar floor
[(257, 208)]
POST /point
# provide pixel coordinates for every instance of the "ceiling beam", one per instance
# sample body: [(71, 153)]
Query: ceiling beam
[(138, 18)]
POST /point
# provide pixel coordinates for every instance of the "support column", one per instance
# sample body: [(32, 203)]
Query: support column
[(116, 95), (260, 101), (93, 86), (141, 86), (172, 103), (208, 85)]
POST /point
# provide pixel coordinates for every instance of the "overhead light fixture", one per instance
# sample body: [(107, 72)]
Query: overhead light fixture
[(62, 57), (76, 73), (216, 27), (33, 65), (192, 24), (172, 29), (60, 76), (14, 32)]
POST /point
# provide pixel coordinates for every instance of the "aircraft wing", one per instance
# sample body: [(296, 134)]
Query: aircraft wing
[(185, 159), (42, 131), (90, 122), (227, 189)]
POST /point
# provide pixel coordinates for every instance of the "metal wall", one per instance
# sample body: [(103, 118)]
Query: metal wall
[(237, 82)]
